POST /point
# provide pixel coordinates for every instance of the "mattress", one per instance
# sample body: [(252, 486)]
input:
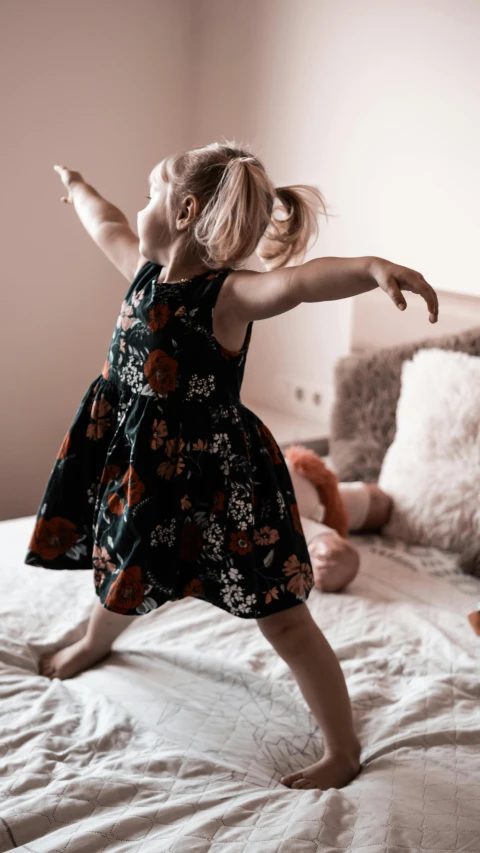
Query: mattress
[(177, 741)]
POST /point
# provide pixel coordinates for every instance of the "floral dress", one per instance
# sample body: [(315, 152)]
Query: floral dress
[(165, 483)]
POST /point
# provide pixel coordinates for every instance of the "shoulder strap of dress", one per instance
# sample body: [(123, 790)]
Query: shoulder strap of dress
[(210, 288), (143, 274), (207, 301)]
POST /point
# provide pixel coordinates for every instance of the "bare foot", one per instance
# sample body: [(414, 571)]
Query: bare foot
[(330, 772), (68, 661)]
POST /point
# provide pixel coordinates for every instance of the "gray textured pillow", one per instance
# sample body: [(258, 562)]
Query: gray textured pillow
[(367, 388)]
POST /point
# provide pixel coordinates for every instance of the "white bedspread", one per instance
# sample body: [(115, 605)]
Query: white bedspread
[(177, 741)]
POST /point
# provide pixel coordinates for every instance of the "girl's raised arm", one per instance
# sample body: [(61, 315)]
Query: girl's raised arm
[(105, 223)]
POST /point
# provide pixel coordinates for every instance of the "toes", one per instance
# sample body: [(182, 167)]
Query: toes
[(299, 783), (46, 667), (291, 777)]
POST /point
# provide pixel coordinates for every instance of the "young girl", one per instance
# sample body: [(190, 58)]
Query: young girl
[(165, 483)]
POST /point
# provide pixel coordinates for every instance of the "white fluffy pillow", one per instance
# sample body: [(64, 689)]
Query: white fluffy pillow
[(432, 468)]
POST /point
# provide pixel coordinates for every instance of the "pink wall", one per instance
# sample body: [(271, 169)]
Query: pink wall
[(102, 86)]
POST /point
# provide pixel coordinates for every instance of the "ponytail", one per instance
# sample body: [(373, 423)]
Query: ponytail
[(286, 240), (237, 207)]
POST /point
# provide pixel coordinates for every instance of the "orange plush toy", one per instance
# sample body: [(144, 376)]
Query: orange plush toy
[(307, 463)]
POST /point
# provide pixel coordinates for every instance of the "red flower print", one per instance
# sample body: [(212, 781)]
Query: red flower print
[(174, 465), (190, 542), (269, 443), (302, 577), (180, 311), (133, 485), (200, 444), (101, 559), (124, 320), (218, 501), (296, 518), (126, 591), (158, 316), (53, 537), (193, 588), (110, 472), (65, 447), (271, 595), (116, 504), (185, 502), (159, 431), (161, 371), (99, 421), (265, 536), (240, 542)]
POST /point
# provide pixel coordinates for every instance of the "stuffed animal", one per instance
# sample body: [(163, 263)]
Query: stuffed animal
[(334, 515), (307, 463)]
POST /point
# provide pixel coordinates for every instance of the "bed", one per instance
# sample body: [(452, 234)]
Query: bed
[(177, 741)]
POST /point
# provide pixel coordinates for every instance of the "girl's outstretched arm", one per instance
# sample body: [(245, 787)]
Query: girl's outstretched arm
[(253, 295), (323, 279), (106, 224)]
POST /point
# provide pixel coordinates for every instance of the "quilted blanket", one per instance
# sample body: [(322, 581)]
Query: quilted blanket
[(177, 741)]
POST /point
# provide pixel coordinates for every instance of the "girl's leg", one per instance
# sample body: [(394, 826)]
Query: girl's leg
[(103, 628), (296, 637)]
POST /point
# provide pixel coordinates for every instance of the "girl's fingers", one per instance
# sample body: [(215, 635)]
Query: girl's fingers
[(392, 289), (393, 279), (431, 299), (436, 299), (415, 282)]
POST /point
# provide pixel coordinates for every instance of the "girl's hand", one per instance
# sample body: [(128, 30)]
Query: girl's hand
[(393, 278), (69, 178)]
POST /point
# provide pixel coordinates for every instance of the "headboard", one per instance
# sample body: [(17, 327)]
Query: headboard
[(377, 322)]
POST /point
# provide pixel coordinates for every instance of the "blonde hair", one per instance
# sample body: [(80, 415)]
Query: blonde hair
[(238, 203)]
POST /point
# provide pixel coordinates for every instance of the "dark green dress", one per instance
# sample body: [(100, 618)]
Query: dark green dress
[(165, 483)]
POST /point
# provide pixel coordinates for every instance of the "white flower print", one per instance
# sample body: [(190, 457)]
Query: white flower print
[(240, 508), (132, 375), (213, 535), (200, 387), (281, 504), (163, 533), (220, 443), (233, 596)]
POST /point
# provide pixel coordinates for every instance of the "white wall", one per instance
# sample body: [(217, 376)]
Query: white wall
[(376, 103), (261, 81)]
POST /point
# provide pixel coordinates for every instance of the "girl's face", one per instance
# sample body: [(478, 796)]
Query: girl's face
[(152, 223)]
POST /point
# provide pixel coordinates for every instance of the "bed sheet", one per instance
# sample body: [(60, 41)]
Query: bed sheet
[(177, 741)]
